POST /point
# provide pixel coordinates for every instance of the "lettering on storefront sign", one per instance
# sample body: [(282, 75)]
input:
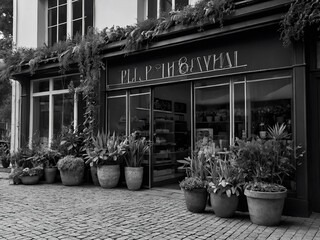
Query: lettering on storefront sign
[(183, 66)]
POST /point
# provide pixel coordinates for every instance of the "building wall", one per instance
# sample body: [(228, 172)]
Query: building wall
[(118, 13)]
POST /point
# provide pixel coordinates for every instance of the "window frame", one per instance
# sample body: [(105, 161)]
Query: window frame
[(51, 93)]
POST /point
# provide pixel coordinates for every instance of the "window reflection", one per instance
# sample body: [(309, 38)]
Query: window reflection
[(41, 118), (117, 115)]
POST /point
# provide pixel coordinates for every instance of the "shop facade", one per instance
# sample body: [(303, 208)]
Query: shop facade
[(226, 87)]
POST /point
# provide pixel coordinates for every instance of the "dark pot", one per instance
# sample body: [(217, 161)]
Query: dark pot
[(5, 162), (94, 175), (108, 175), (50, 174), (196, 199), (30, 180), (222, 205), (265, 208), (72, 178)]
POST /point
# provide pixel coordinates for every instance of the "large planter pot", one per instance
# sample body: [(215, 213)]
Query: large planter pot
[(94, 175), (134, 176), (265, 208), (50, 174), (108, 175), (196, 199), (30, 180), (224, 206), (72, 178)]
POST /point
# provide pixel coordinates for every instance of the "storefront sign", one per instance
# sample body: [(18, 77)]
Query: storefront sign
[(181, 67)]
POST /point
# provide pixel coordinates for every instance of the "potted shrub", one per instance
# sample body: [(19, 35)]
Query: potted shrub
[(50, 159), (224, 186), (269, 161), (31, 176), (136, 147), (106, 151), (71, 170), (194, 185)]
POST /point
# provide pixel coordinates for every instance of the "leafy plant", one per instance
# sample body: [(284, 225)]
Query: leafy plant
[(224, 177), (135, 147), (302, 14), (48, 157), (107, 149), (265, 187), (71, 142), (71, 163), (38, 170), (193, 183)]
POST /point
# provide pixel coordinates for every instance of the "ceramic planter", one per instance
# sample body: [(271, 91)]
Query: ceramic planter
[(224, 206), (134, 176), (30, 180), (108, 175), (72, 178), (196, 199), (94, 175), (265, 208), (50, 174)]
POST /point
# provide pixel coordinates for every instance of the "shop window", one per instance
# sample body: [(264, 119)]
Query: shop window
[(318, 54), (117, 118), (54, 108), (269, 102), (81, 19)]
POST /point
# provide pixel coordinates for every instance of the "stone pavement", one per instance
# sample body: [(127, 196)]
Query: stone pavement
[(87, 212)]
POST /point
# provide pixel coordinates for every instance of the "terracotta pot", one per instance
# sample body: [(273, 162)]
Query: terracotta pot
[(109, 175), (224, 206), (134, 176), (265, 208), (72, 178), (196, 199), (30, 180), (50, 174), (94, 175)]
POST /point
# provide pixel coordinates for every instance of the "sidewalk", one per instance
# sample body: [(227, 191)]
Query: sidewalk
[(87, 212)]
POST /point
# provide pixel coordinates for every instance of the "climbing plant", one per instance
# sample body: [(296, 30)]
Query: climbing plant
[(301, 15)]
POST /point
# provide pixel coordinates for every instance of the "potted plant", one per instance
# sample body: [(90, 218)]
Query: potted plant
[(194, 185), (268, 162), (4, 155), (106, 151), (224, 186), (136, 147), (71, 170), (50, 158), (31, 176)]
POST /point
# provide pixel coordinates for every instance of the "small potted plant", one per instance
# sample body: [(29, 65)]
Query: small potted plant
[(269, 161), (71, 170), (136, 147), (106, 151), (4, 155), (194, 185), (30, 176), (51, 158), (224, 186)]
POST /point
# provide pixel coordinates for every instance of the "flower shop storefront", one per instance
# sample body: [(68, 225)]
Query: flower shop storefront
[(222, 88)]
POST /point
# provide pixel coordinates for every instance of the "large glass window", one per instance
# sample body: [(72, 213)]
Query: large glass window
[(53, 107), (57, 21), (117, 117)]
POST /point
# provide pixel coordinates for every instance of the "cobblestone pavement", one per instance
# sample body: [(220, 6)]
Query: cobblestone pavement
[(87, 212)]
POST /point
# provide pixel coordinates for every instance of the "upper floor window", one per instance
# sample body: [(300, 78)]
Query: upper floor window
[(156, 9), (63, 23)]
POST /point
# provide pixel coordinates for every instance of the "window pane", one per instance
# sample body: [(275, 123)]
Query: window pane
[(269, 102), (165, 6), (88, 14), (152, 9), (239, 111), (63, 14), (52, 36), (41, 118), (77, 27), (41, 86), (63, 83), (62, 1), (318, 54), (63, 112), (77, 9), (52, 17), (180, 4), (62, 32), (52, 3), (117, 115), (213, 115)]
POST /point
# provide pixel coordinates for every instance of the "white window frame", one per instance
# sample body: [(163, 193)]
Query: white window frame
[(50, 93)]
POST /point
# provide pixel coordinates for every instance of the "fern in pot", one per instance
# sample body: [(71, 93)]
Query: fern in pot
[(105, 154), (136, 148), (194, 185), (266, 163)]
